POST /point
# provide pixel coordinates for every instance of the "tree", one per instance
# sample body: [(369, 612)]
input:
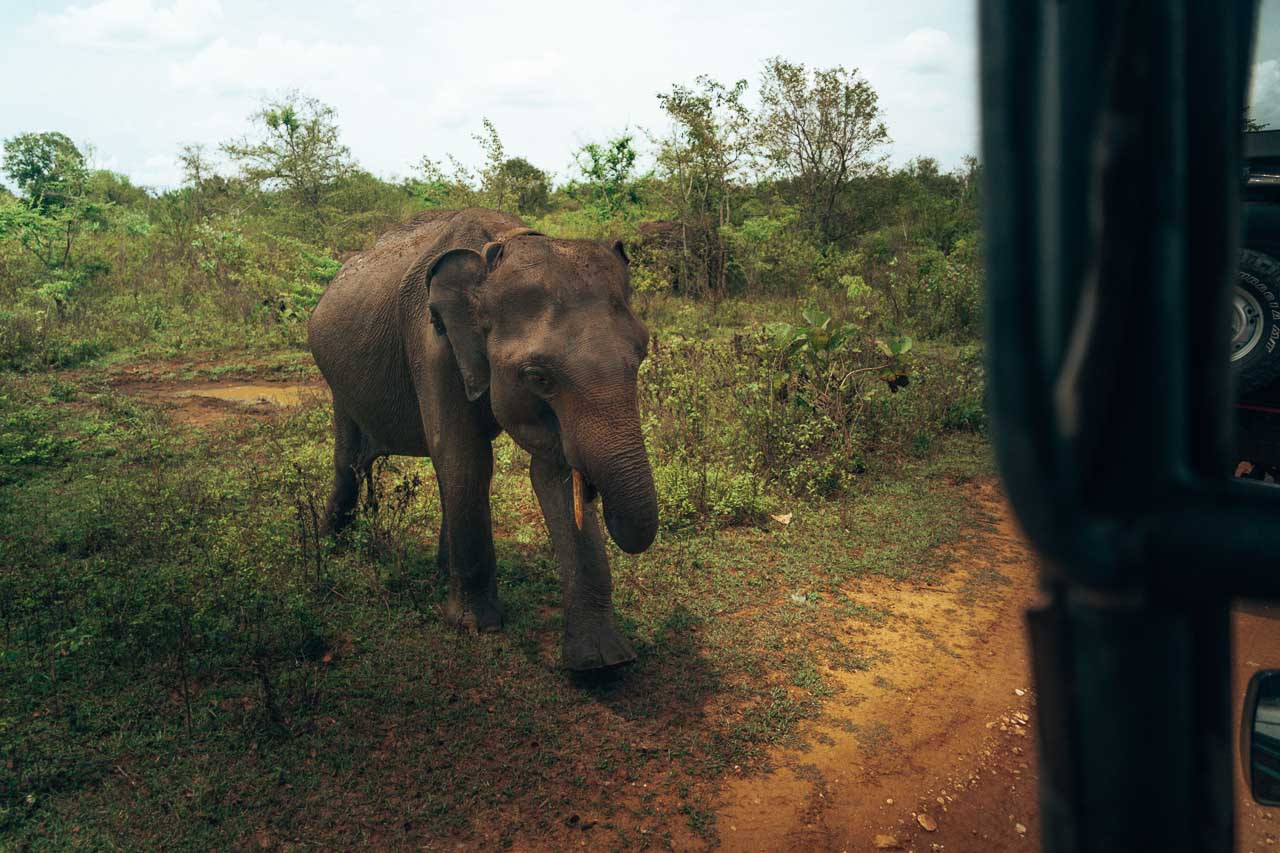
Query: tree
[(528, 185), (299, 152), (197, 177), (703, 163), (608, 171), (53, 179), (819, 132), (114, 188), (47, 168), (436, 189), (494, 191), (511, 184)]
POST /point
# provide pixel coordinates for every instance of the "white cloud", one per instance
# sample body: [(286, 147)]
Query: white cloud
[(132, 23), (275, 62), (532, 82), (927, 83), (415, 77), (928, 51)]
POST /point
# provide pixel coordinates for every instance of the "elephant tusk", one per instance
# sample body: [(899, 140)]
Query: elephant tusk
[(577, 497)]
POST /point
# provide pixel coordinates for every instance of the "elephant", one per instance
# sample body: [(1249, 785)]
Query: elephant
[(463, 324)]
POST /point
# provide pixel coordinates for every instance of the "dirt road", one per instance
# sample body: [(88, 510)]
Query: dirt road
[(937, 749), (933, 746)]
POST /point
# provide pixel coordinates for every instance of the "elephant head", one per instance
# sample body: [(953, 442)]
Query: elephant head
[(544, 327)]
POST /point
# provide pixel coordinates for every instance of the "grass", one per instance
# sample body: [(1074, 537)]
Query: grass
[(180, 664)]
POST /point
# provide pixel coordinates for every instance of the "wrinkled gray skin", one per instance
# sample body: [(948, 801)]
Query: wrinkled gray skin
[(456, 327)]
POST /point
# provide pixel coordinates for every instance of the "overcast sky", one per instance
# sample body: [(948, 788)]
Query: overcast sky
[(1264, 88), (137, 79)]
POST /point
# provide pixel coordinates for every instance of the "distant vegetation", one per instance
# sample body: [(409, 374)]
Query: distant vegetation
[(784, 194), (778, 207)]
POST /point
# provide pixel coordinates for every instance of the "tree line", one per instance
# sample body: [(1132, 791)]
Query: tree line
[(783, 190)]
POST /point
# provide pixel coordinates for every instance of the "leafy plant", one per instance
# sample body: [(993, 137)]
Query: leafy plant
[(608, 175)]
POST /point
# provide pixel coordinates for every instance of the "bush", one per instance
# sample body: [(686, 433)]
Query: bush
[(934, 293), (716, 493), (771, 252), (21, 336), (798, 409), (27, 442)]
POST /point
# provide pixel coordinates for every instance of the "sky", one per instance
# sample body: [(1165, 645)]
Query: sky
[(138, 79), (1264, 83)]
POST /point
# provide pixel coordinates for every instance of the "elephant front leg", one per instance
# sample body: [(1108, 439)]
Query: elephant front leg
[(340, 509), (591, 636), (466, 539)]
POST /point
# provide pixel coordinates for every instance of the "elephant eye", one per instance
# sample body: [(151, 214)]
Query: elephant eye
[(537, 379)]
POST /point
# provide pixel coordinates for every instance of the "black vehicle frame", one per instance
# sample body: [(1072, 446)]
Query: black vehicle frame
[(1112, 153)]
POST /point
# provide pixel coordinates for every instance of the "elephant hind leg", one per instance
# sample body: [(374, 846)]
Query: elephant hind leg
[(349, 464)]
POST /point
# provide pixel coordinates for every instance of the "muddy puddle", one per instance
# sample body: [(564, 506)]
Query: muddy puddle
[(279, 394), (207, 403)]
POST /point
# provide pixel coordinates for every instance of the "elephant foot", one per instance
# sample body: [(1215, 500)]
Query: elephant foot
[(334, 525), (480, 613), (598, 647)]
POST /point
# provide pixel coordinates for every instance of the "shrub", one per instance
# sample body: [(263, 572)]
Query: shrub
[(21, 335), (799, 408), (716, 493), (772, 252), (27, 441)]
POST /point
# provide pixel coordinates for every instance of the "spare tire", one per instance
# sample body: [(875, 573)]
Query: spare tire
[(1255, 322)]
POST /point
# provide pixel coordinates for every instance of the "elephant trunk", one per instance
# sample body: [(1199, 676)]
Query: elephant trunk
[(610, 453)]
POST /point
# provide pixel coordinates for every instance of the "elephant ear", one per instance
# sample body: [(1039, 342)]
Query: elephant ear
[(620, 249), (452, 281)]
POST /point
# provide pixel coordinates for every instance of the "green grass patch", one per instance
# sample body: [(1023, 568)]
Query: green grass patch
[(180, 664)]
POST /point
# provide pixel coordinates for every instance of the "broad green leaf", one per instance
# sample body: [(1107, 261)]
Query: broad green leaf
[(815, 316), (779, 331)]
